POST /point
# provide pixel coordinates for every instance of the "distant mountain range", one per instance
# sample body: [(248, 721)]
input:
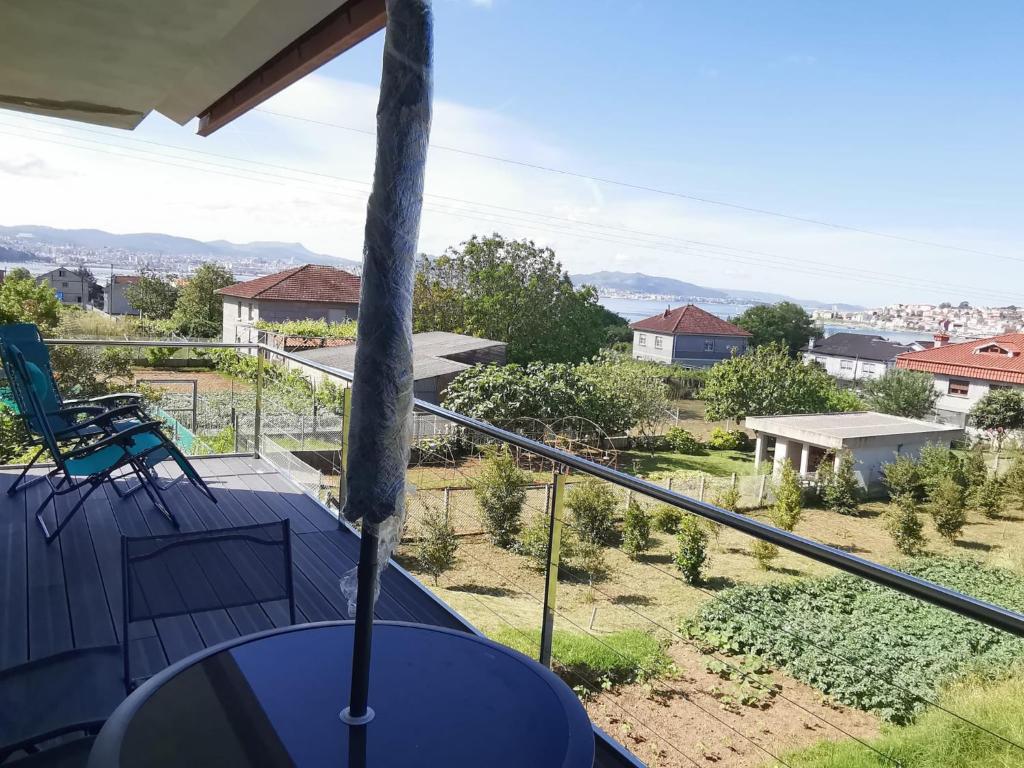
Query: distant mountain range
[(170, 245), (637, 282)]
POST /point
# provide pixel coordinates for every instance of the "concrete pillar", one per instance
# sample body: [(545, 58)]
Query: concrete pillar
[(781, 455), (758, 451), (805, 459)]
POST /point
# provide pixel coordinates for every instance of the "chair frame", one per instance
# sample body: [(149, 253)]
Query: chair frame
[(240, 533)]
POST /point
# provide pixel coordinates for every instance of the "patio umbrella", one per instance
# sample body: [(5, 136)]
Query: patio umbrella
[(382, 386)]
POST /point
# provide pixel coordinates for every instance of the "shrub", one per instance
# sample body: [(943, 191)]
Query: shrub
[(636, 530), (948, 508), (729, 498), (728, 439), (904, 524), (683, 442), (764, 553), (533, 544), (936, 464), (592, 506), (437, 545), (13, 437), (666, 518), (588, 557), (841, 491), (500, 490), (989, 497), (157, 356), (691, 549), (903, 478), (974, 468), (896, 649), (314, 328), (619, 657), (1014, 479), (785, 512)]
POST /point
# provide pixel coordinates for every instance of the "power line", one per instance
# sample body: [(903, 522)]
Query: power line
[(666, 192), (653, 241)]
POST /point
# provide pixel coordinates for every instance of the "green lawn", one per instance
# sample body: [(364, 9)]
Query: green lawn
[(718, 463)]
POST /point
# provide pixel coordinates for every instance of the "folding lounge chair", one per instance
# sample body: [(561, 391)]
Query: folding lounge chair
[(86, 467), (103, 414)]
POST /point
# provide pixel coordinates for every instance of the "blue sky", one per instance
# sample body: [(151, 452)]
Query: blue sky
[(903, 117)]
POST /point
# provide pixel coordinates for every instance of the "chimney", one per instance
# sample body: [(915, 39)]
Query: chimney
[(941, 339), (667, 310), (810, 343)]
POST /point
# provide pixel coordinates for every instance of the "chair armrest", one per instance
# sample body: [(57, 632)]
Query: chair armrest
[(103, 418), (119, 438), (115, 397), (69, 410)]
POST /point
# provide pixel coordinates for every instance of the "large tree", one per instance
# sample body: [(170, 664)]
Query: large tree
[(153, 295), (511, 291), (998, 412), (784, 323), (900, 392), (23, 300), (199, 310), (767, 382)]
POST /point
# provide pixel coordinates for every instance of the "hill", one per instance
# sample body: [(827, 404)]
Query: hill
[(171, 245)]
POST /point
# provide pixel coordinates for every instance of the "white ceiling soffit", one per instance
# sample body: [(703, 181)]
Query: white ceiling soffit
[(111, 62)]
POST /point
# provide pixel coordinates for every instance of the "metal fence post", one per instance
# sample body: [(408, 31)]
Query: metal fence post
[(732, 483), (257, 416), (234, 426), (760, 490), (447, 503), (554, 551), (346, 413), (700, 496)]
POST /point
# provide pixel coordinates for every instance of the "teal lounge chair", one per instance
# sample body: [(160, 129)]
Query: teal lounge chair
[(70, 420), (135, 449)]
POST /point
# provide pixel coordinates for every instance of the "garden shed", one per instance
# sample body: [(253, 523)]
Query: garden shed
[(872, 438)]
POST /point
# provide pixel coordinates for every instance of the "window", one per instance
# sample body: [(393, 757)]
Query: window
[(78, 299), (658, 341), (63, 285), (709, 345), (239, 309), (643, 340), (958, 387), (846, 365), (868, 367), (250, 310)]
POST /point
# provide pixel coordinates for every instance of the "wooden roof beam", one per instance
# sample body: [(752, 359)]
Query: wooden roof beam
[(340, 30)]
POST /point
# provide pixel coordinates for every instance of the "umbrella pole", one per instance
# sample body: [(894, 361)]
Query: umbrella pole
[(382, 385)]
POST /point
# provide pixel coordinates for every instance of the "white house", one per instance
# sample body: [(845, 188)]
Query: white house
[(854, 356), (872, 438), (966, 372)]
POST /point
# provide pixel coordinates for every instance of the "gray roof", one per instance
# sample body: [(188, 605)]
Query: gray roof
[(858, 346), (428, 353), (835, 430)]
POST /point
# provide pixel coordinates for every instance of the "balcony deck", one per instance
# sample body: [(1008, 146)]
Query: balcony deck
[(68, 594)]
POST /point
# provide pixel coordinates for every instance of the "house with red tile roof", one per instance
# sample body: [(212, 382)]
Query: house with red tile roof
[(687, 336), (967, 371), (309, 292)]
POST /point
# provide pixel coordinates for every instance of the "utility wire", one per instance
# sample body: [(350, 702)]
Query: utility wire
[(666, 192)]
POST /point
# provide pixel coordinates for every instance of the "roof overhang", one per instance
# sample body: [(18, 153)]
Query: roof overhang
[(112, 62)]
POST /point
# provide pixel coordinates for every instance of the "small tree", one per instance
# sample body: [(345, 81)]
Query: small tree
[(975, 471), (198, 309), (23, 300), (154, 296), (636, 530), (729, 498), (938, 463), (592, 506), (989, 497), (500, 490), (998, 412), (1014, 480), (666, 518), (438, 543), (903, 478), (691, 549), (841, 491), (904, 524), (784, 513), (949, 508), (900, 392)]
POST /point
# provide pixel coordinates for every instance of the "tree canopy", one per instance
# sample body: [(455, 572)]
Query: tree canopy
[(999, 411), (153, 295), (511, 291), (23, 300), (198, 311), (767, 382), (900, 392), (784, 323)]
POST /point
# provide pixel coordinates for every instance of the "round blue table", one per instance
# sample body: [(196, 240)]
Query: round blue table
[(440, 697)]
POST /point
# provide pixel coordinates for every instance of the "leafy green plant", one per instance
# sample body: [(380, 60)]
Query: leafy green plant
[(636, 530), (628, 656), (901, 392), (728, 498), (682, 441), (438, 544), (904, 525), (691, 549), (840, 490), (948, 508), (937, 463), (989, 497), (764, 553), (1014, 480), (975, 470), (864, 645), (13, 437), (500, 491), (903, 478), (591, 506), (157, 356), (784, 513), (319, 329), (728, 440), (666, 518)]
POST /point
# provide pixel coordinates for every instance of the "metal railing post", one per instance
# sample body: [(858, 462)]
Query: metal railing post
[(257, 416), (346, 414), (554, 552)]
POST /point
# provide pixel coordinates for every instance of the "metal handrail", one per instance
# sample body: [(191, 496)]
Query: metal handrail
[(964, 605)]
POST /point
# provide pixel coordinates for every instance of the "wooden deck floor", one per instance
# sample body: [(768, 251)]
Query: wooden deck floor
[(68, 594)]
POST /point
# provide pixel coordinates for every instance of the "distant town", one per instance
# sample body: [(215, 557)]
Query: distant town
[(961, 320)]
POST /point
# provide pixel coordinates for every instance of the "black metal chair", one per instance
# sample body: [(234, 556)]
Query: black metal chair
[(182, 573), (55, 696)]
